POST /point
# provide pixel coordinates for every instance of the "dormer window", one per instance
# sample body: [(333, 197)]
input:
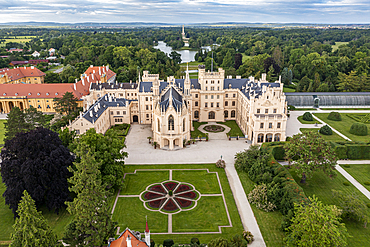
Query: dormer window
[(47, 93), (38, 93), (56, 93), (4, 94), (29, 93)]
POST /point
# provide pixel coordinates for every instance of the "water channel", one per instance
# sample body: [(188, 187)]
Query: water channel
[(186, 55)]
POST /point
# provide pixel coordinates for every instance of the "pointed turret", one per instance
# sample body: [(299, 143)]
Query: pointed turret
[(187, 82), (147, 234)]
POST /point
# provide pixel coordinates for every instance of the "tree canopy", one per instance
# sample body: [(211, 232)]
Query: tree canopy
[(66, 104), (31, 228), (309, 152), (36, 161)]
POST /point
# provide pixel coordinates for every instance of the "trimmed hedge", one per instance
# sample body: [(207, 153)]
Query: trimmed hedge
[(358, 129), (335, 116), (326, 130), (276, 148), (307, 116), (352, 150)]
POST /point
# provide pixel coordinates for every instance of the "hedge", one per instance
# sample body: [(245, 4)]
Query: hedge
[(358, 129), (326, 130), (307, 116), (276, 149), (352, 150), (335, 116)]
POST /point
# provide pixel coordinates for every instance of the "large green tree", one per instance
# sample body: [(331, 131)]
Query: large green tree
[(316, 224), (92, 224), (31, 228), (66, 104), (15, 123), (309, 152), (107, 152)]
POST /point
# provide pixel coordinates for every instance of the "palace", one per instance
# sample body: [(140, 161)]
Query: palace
[(258, 106)]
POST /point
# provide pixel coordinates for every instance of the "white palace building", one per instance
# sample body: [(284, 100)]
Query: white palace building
[(170, 107)]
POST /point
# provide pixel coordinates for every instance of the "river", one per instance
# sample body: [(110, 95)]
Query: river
[(186, 55)]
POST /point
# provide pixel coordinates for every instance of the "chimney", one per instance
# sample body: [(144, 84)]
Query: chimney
[(91, 114), (76, 80), (128, 241), (88, 79), (83, 82), (99, 70), (74, 86)]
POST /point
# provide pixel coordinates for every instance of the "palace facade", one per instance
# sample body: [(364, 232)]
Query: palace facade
[(258, 106)]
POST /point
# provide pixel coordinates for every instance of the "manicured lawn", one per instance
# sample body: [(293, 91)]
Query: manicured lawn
[(337, 44), (321, 186), (235, 130), (351, 109), (288, 90), (208, 214), (269, 222), (194, 134), (203, 181), (191, 221), (343, 126), (305, 109), (137, 183), (360, 172), (2, 131), (132, 208), (245, 57), (300, 119), (334, 137)]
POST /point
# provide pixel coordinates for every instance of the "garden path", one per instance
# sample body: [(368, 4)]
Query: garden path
[(141, 152), (213, 135), (353, 181)]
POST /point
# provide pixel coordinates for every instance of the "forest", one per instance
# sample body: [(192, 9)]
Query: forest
[(312, 60)]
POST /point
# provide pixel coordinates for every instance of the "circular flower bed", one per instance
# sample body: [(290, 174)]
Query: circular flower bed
[(170, 196), (214, 128)]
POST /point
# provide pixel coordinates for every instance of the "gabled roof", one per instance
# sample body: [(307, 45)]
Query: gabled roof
[(121, 240), (98, 86), (171, 97), (18, 73)]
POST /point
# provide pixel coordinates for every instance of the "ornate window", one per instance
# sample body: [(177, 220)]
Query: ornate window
[(269, 138), (260, 138), (226, 114), (183, 125), (277, 138), (232, 113), (171, 123), (196, 114), (211, 115), (158, 125)]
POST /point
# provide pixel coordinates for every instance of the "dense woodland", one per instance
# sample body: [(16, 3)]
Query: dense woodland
[(307, 59)]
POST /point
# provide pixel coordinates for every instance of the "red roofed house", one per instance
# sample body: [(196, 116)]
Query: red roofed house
[(40, 96), (25, 75), (131, 239)]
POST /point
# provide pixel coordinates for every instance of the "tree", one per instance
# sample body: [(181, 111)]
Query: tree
[(36, 161), (15, 123), (238, 241), (31, 228), (309, 152), (107, 152), (66, 104), (92, 224), (238, 60), (349, 83), (34, 118), (51, 77), (176, 57), (316, 224), (218, 242), (286, 76), (66, 136), (228, 60)]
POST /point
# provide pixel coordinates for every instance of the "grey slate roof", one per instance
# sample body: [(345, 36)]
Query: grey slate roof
[(96, 86), (326, 93), (103, 104), (171, 95)]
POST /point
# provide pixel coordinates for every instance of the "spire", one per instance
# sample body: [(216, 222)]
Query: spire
[(146, 225), (187, 70), (147, 232)]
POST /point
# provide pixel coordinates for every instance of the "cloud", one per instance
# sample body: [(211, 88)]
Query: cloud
[(187, 11)]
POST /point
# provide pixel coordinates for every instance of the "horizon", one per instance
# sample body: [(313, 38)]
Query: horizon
[(188, 11)]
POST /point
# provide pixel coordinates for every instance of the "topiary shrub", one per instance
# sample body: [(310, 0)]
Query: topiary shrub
[(346, 184), (152, 243), (248, 236), (358, 129), (367, 183), (326, 130), (368, 205), (168, 243), (195, 241), (220, 163), (307, 116), (335, 116)]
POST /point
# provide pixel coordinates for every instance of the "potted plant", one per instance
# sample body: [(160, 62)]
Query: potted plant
[(184, 143), (200, 138), (192, 139), (189, 142), (149, 138), (237, 138), (207, 137), (155, 145), (228, 135)]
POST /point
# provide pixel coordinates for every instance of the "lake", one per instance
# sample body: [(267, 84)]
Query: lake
[(186, 55)]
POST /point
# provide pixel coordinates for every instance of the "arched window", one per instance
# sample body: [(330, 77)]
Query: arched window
[(277, 138), (226, 114), (232, 113), (269, 138), (260, 138), (158, 125), (171, 123), (183, 125), (211, 115), (196, 114)]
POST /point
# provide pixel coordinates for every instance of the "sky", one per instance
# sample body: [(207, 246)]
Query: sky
[(187, 11)]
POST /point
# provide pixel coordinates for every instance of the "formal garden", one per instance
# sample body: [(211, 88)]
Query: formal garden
[(186, 200)]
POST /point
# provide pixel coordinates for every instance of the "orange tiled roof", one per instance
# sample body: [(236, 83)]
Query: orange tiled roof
[(121, 241), (21, 72)]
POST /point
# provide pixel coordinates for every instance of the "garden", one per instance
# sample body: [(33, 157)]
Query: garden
[(360, 172), (234, 128), (178, 199)]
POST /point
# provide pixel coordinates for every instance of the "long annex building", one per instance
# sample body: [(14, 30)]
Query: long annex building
[(258, 106)]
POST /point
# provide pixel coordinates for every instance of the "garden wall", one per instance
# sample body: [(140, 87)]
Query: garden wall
[(352, 150)]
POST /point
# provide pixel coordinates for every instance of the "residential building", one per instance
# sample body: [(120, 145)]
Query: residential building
[(36, 54), (24, 75)]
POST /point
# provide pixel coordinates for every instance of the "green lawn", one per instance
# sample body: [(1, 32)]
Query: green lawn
[(288, 90), (235, 130), (300, 119), (269, 222), (337, 44), (136, 183), (194, 134), (334, 137), (360, 172), (2, 131), (204, 182), (338, 109), (343, 126), (305, 109), (245, 57), (207, 215), (321, 186)]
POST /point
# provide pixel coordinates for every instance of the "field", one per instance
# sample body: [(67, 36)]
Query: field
[(245, 57), (343, 126), (288, 90), (235, 130), (360, 172), (334, 137), (194, 134), (2, 131), (19, 39), (207, 220), (337, 44), (321, 186)]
